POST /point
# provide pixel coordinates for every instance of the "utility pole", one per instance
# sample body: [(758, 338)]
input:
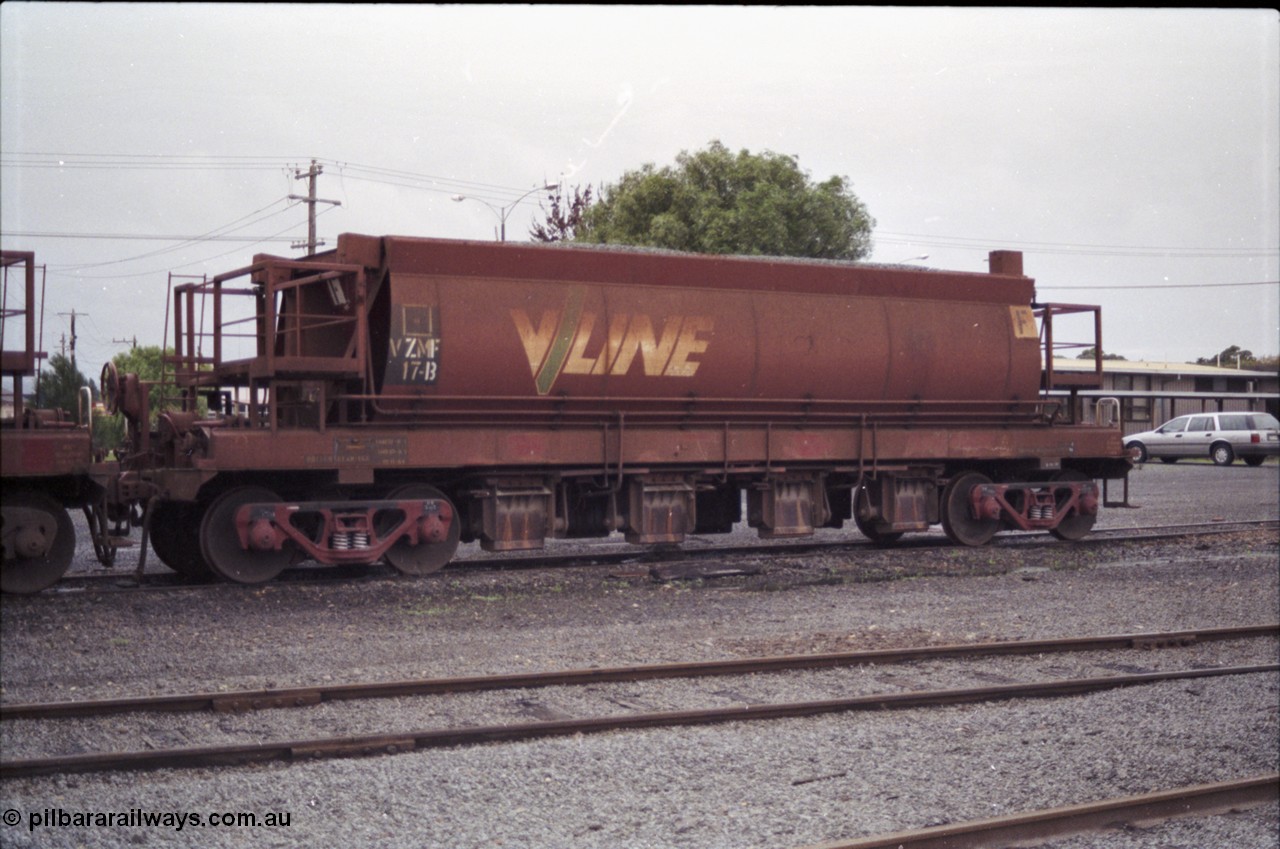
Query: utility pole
[(73, 315), (310, 200)]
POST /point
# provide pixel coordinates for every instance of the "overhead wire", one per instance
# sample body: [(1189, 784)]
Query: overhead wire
[(505, 194), (972, 243), (208, 236), (1135, 286), (200, 261), (375, 174)]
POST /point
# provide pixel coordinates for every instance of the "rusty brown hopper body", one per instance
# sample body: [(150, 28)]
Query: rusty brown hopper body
[(550, 328)]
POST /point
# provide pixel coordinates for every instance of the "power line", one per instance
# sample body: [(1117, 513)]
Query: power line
[(216, 231), (507, 194), (128, 161), (971, 243), (375, 174), (272, 237), (139, 237), (1135, 286)]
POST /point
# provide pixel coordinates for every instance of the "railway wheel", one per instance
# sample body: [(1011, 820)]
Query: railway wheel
[(39, 541), (220, 542), (867, 524), (1079, 524), (957, 512), (426, 557), (175, 539)]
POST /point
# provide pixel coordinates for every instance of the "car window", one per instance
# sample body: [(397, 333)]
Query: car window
[(1201, 423), (1176, 426), (1263, 421), (1236, 422)]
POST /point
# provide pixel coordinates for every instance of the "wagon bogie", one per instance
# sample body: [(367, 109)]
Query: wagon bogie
[(37, 538)]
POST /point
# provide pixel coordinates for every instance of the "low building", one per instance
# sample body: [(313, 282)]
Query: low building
[(1151, 393)]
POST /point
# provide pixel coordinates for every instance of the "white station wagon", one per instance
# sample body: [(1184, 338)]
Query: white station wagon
[(1253, 437)]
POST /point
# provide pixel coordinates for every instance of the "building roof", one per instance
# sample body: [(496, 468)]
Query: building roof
[(1144, 367)]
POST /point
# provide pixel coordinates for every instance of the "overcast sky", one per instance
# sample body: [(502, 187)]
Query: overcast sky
[(1133, 155)]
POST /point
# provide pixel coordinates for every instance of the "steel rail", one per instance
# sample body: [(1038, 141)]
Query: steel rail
[(1032, 828), (395, 743), (1098, 536), (916, 542), (246, 700)]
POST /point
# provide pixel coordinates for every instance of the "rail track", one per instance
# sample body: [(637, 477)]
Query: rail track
[(244, 700), (1031, 828), (654, 559), (397, 742)]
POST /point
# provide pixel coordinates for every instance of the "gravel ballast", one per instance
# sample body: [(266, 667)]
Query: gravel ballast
[(746, 785)]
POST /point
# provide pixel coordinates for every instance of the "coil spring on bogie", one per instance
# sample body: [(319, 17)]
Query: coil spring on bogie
[(348, 540), (1038, 511)]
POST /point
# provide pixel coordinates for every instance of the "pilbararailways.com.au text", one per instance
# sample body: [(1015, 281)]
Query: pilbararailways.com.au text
[(56, 818)]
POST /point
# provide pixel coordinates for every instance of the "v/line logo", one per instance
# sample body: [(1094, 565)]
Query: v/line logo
[(566, 342)]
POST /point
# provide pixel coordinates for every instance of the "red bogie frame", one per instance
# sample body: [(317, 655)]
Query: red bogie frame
[(343, 532), (1038, 507)]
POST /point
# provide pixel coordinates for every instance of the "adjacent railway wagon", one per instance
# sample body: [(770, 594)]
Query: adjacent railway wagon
[(46, 456), (395, 396)]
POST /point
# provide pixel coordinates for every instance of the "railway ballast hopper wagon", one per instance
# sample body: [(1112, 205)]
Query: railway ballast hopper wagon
[(394, 396)]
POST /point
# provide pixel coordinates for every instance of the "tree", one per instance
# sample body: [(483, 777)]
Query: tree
[(1271, 363), (716, 201), (564, 219), (60, 384), (146, 361), (1090, 353), (1235, 356)]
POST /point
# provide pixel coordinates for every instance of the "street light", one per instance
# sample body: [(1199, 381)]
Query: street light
[(503, 211), (912, 259)]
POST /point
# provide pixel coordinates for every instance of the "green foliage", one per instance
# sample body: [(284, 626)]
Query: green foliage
[(59, 386), (1089, 353), (146, 362), (716, 201), (1234, 354), (59, 389)]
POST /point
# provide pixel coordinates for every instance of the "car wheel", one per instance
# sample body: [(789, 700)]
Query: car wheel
[(1139, 451), (1222, 454), (1256, 460)]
